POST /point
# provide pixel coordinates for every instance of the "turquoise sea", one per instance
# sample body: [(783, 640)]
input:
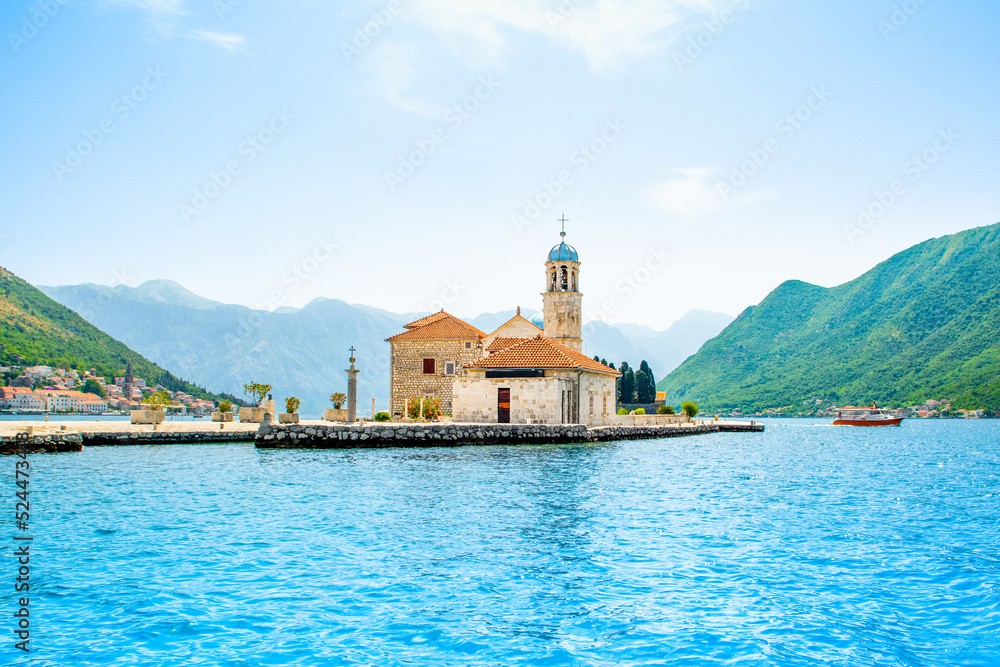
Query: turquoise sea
[(805, 545)]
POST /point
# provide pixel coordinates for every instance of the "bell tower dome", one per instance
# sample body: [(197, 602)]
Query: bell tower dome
[(562, 300)]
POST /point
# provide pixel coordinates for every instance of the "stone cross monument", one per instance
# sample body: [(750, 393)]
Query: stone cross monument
[(352, 390)]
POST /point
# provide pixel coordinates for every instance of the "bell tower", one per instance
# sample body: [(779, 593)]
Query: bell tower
[(562, 301)]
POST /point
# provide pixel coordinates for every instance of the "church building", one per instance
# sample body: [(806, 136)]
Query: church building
[(518, 374)]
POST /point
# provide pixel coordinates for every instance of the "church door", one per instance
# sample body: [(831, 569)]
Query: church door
[(503, 406)]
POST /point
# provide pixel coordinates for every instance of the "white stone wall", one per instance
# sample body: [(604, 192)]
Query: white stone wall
[(532, 400), (552, 399)]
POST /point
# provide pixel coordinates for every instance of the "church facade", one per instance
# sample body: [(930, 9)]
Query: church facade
[(517, 374)]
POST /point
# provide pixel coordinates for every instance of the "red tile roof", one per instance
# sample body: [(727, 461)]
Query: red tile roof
[(444, 327), (501, 343), (540, 352), (426, 320)]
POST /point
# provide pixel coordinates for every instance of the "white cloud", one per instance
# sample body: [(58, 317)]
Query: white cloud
[(231, 41), (696, 193), (608, 33)]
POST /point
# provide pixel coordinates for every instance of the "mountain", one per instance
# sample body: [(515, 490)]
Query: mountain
[(36, 330), (304, 351), (923, 324)]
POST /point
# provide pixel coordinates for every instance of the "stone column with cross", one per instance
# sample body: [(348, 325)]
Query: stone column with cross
[(352, 390)]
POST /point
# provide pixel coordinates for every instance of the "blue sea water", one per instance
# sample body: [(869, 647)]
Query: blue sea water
[(808, 544)]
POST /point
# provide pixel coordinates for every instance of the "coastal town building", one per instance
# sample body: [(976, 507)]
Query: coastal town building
[(520, 373)]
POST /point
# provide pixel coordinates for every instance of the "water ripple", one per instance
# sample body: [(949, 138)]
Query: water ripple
[(805, 545)]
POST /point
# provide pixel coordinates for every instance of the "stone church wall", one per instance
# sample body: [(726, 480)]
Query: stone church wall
[(407, 378)]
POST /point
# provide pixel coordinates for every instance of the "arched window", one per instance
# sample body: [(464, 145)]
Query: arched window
[(574, 282), (552, 286), (565, 279)]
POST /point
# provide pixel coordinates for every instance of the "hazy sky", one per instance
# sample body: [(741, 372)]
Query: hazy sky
[(417, 153)]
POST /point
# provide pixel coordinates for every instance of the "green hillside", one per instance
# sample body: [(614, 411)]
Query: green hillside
[(923, 324), (35, 330)]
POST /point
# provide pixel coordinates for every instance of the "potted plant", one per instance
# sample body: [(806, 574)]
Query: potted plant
[(337, 414), (156, 409), (291, 414), (224, 413), (382, 416), (256, 392)]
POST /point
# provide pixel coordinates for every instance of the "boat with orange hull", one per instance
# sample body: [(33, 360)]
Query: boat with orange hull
[(873, 416)]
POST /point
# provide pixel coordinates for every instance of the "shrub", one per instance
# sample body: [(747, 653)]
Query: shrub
[(690, 409), (665, 410), (432, 408), (256, 392), (622, 411), (382, 416), (292, 405), (159, 400), (225, 406), (640, 411), (338, 399)]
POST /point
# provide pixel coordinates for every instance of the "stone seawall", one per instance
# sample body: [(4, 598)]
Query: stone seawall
[(112, 439), (414, 435), (455, 435), (38, 444)]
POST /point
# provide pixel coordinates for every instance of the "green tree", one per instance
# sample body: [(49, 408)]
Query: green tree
[(382, 416), (665, 410), (690, 409), (292, 405), (623, 391), (225, 406), (645, 387), (256, 392), (628, 387), (94, 387), (641, 380)]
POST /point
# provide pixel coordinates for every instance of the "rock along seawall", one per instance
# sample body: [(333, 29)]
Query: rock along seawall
[(38, 444), (111, 438), (307, 436)]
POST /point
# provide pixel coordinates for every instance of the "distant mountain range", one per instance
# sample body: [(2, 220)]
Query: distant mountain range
[(923, 324), (303, 352), (35, 330)]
